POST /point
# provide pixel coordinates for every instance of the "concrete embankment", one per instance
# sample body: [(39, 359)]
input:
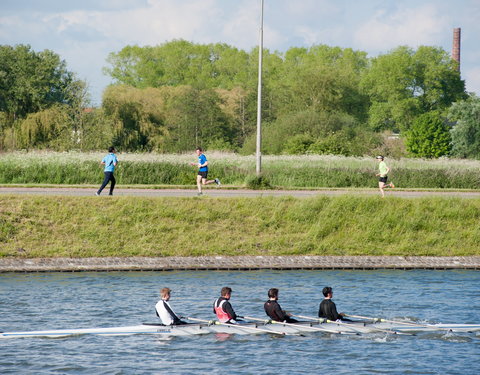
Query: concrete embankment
[(10, 264)]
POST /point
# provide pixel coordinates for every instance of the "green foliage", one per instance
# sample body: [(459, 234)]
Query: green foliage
[(346, 142), (406, 83), (137, 117), (258, 182), (219, 144), (390, 144), (33, 81), (309, 132), (167, 119), (322, 79), (178, 95), (178, 63), (41, 102), (299, 144), (305, 126), (466, 132), (429, 136), (46, 129), (93, 131)]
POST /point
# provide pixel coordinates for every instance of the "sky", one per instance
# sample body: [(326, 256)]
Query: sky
[(84, 32)]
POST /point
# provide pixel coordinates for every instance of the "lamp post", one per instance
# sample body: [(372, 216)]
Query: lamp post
[(259, 98)]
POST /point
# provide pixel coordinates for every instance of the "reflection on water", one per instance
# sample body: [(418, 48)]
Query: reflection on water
[(66, 300)]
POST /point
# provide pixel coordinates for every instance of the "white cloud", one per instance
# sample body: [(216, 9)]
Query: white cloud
[(407, 26), (154, 23), (242, 28), (305, 8)]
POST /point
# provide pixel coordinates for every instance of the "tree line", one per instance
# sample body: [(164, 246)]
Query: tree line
[(178, 95)]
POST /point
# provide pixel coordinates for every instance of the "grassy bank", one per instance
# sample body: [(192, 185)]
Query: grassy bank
[(280, 171), (132, 226)]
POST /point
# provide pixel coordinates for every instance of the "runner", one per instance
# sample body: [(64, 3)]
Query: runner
[(382, 181), (223, 308), (274, 310), (165, 312), (328, 309), (203, 171), (110, 162)]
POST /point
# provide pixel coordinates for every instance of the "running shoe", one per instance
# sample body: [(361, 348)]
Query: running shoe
[(217, 181)]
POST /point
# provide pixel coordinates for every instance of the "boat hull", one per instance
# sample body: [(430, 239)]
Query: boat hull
[(248, 328)]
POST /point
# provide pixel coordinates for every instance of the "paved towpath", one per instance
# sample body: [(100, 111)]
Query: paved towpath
[(236, 263), (225, 193)]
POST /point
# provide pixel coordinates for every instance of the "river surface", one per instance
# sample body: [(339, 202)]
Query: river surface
[(94, 299)]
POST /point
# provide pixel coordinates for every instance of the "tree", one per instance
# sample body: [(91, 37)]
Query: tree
[(195, 118), (321, 78), (466, 132), (34, 81), (138, 117), (429, 136), (167, 119), (178, 63), (405, 83), (47, 129)]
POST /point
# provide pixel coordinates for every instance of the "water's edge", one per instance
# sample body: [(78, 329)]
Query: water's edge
[(11, 264)]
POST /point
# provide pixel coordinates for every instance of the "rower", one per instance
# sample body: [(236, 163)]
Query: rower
[(273, 309), (328, 309), (223, 308), (165, 312)]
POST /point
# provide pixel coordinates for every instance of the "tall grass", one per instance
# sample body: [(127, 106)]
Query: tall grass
[(281, 171), (132, 226)]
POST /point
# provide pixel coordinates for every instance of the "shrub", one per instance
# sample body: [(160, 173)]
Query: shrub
[(258, 183), (429, 136)]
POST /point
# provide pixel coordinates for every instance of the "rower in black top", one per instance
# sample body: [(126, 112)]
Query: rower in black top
[(273, 309), (328, 309)]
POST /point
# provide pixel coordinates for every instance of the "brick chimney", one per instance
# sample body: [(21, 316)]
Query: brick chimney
[(456, 46)]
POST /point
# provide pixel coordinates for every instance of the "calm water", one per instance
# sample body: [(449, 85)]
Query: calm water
[(81, 300)]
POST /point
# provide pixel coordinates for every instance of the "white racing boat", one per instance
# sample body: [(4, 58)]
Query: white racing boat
[(276, 328)]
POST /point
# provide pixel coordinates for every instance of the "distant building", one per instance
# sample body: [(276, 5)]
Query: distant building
[(456, 45)]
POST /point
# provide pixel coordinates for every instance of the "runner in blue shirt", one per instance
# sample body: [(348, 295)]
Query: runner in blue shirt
[(203, 171), (110, 162)]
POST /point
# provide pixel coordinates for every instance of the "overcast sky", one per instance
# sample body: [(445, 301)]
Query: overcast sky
[(84, 32)]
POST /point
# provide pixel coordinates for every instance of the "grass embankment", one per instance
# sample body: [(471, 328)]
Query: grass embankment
[(234, 170), (128, 226)]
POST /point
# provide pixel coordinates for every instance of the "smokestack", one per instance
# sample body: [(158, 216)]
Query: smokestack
[(456, 46)]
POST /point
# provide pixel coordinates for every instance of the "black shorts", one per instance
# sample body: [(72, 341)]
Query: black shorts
[(383, 179), (204, 174)]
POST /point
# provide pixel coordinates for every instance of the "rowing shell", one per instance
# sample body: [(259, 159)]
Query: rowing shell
[(363, 327)]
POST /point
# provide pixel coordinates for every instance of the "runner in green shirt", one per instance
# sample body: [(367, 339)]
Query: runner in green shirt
[(382, 180)]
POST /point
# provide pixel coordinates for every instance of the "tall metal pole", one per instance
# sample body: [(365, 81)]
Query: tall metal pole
[(259, 98)]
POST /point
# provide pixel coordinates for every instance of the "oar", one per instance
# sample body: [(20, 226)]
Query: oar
[(399, 322), (253, 329), (292, 325), (322, 320)]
